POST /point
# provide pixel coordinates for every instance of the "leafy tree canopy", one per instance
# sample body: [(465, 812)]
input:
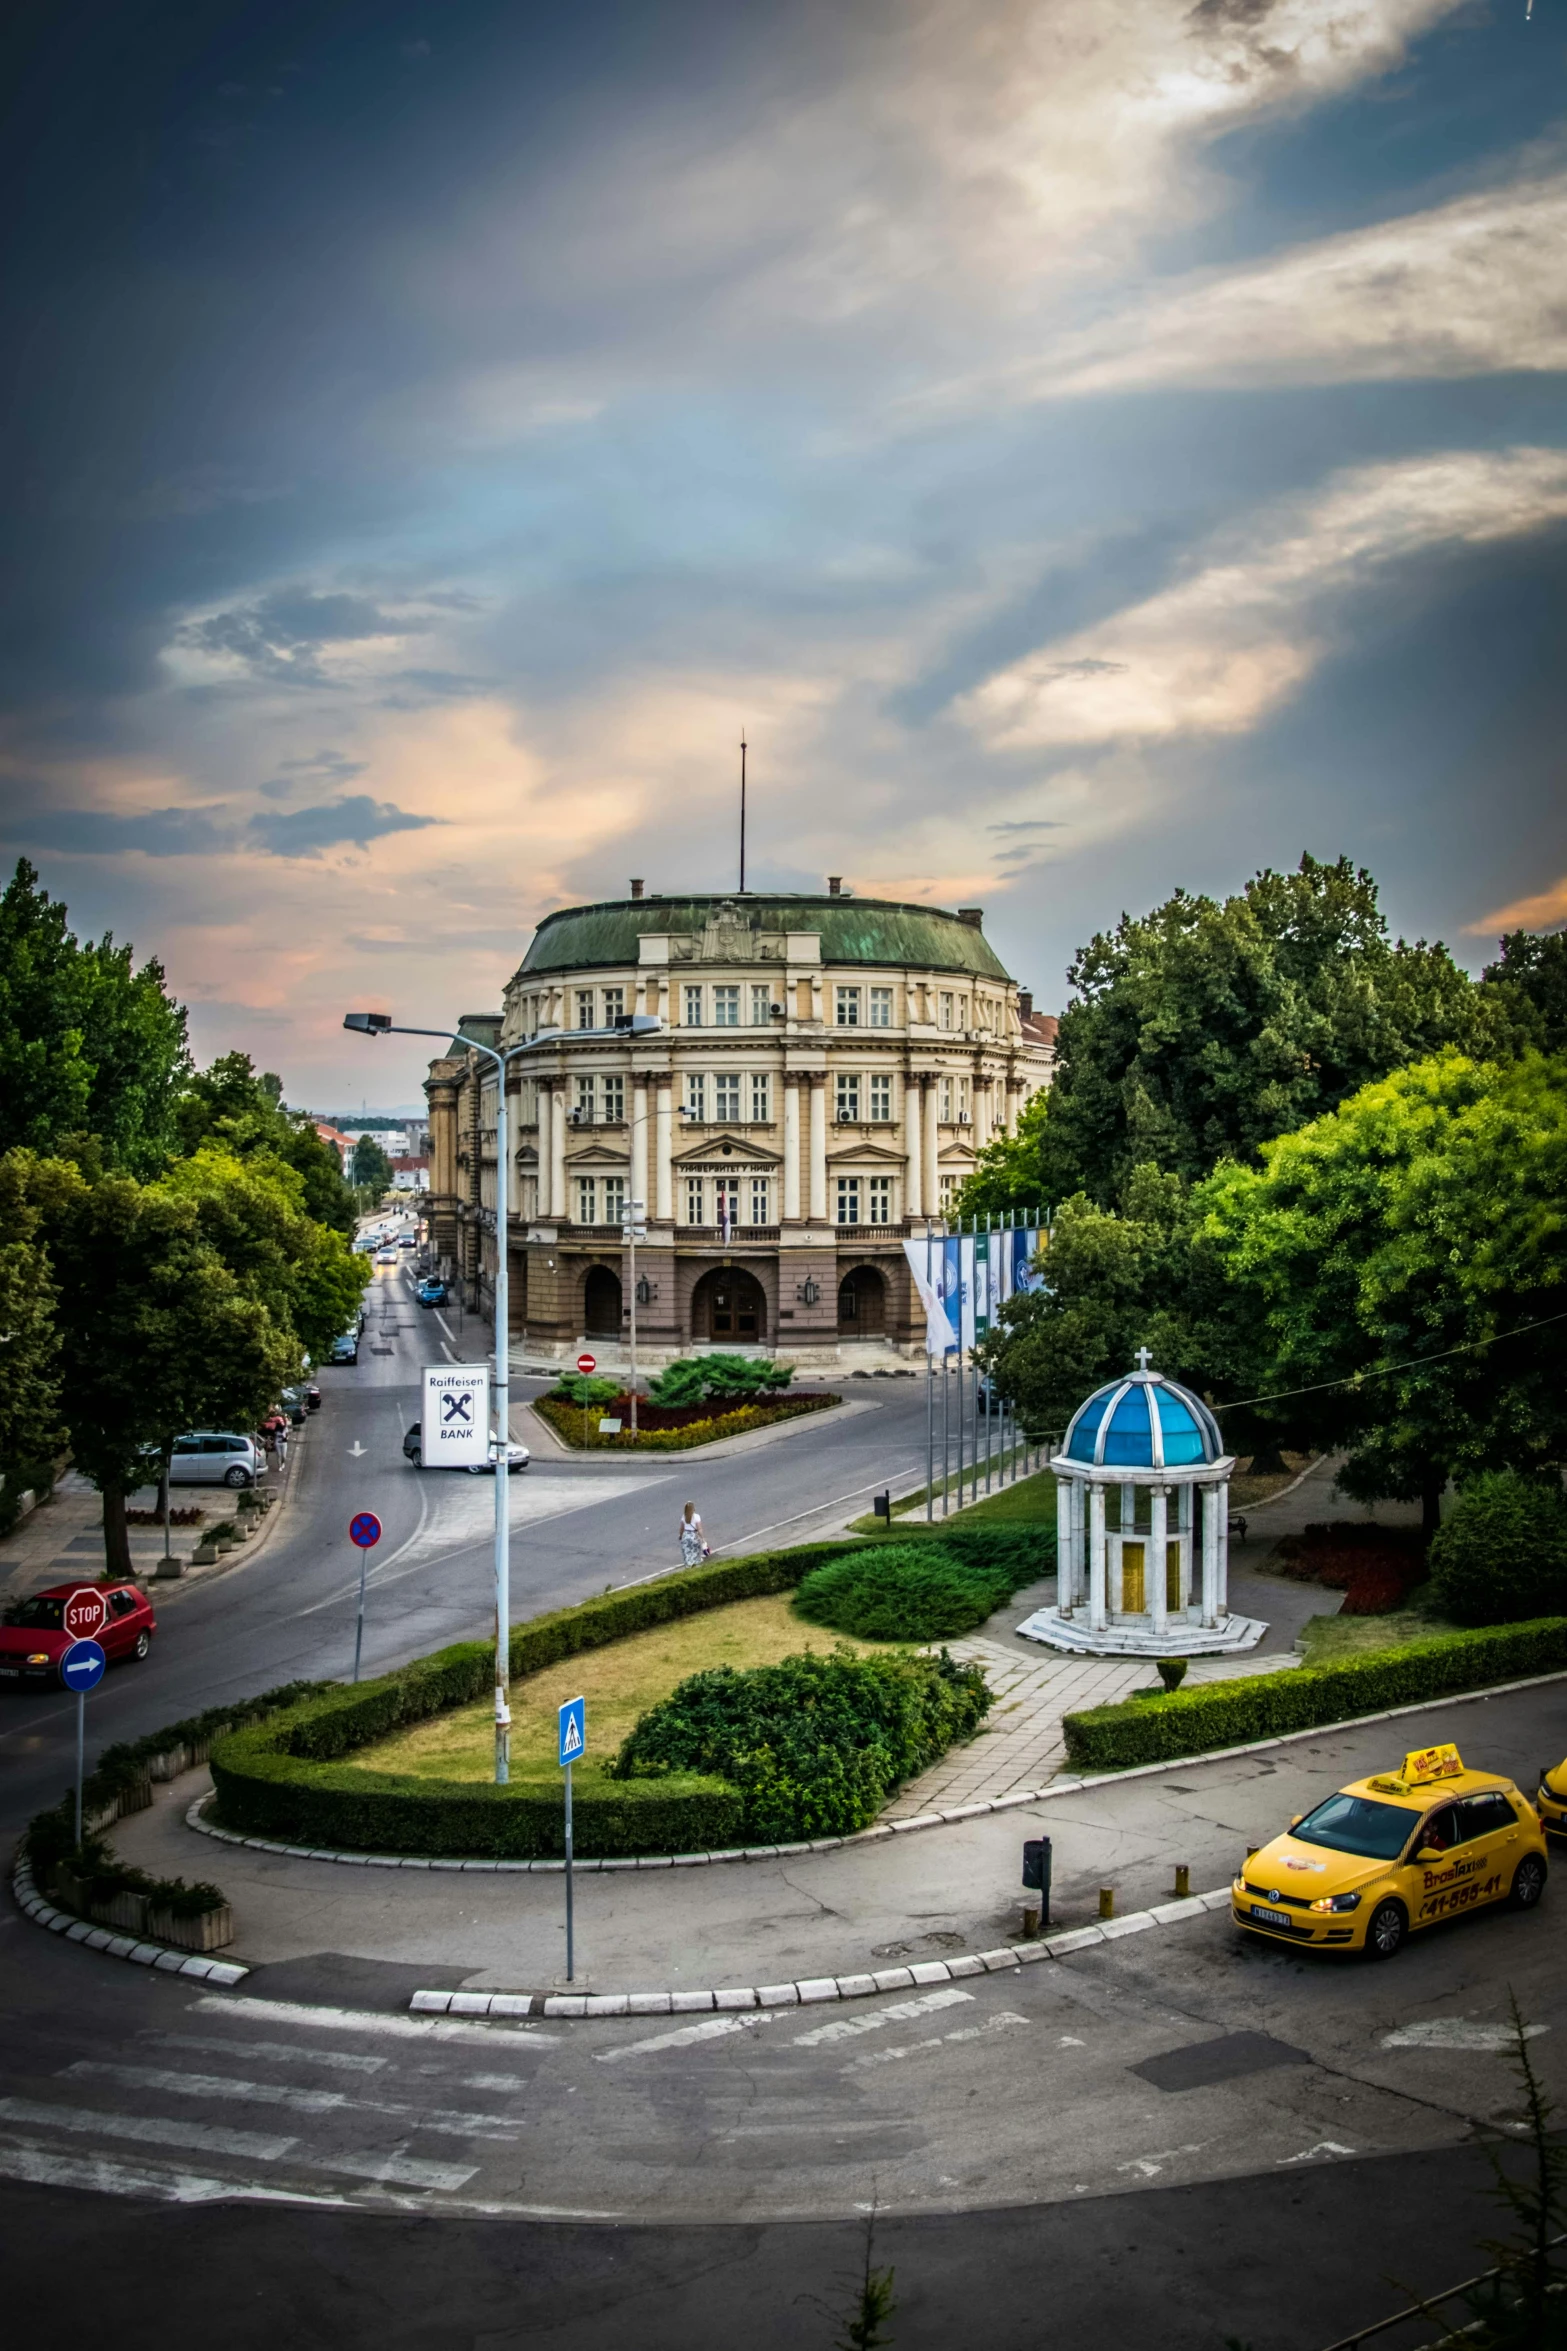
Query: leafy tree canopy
[(1417, 1225), (372, 1168), (89, 1044), (1526, 990), (242, 1112), (31, 1431), (1203, 1030), (254, 1214)]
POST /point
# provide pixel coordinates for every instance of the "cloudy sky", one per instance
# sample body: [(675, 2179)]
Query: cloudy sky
[(1086, 448)]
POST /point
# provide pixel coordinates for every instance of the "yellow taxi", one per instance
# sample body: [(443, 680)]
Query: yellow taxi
[(1389, 1854), (1551, 1801)]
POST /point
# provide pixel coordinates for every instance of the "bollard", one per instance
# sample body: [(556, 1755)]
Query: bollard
[(1107, 1901), (1183, 1880), (1251, 1849), (1036, 1875), (1030, 1921)]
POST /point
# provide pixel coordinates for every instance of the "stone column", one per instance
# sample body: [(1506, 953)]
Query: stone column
[(663, 1146), (1079, 1542), (932, 1147), (1222, 1511), (559, 1206), (913, 1188), (818, 1201), (791, 1149), (639, 1142), (981, 1108), (1098, 1611), (1210, 1556), (546, 1128), (1066, 1580), (1158, 1537)]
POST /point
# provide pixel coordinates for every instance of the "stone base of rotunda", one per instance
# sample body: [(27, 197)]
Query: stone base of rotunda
[(1133, 1636)]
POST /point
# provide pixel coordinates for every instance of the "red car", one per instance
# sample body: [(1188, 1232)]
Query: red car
[(33, 1638)]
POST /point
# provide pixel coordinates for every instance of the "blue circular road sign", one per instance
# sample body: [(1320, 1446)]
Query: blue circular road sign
[(364, 1528), (81, 1668)]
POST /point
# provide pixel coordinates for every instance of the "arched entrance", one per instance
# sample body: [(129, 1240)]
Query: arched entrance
[(729, 1304), (601, 1304), (862, 1304)]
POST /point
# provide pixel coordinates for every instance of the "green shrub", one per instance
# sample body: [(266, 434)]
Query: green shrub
[(568, 1424), (903, 1592), (697, 1377), (1502, 1553), (1158, 1729), (584, 1389), (815, 1745)]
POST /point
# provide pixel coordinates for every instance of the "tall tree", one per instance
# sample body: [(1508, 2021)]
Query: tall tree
[(253, 1212), (372, 1168), (1403, 1260), (31, 1430), (242, 1111), (89, 1043), (1526, 990), (1203, 1030)]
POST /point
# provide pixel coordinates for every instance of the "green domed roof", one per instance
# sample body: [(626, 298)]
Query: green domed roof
[(853, 930)]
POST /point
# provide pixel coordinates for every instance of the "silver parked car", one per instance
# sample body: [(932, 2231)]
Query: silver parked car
[(214, 1457)]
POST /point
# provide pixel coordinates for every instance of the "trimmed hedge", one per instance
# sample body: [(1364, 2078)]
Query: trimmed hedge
[(903, 1592), (1265, 1706), (706, 1429)]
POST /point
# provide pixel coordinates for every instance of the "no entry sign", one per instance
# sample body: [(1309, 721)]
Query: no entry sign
[(587, 1363), (84, 1614), (364, 1528)]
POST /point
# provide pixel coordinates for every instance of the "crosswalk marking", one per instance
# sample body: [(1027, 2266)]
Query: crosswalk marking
[(713, 2028), (220, 2086), (366, 2020), (845, 2028), (338, 2059), (151, 2128)]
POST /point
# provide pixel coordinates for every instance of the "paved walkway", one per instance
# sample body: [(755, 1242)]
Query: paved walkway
[(64, 1536)]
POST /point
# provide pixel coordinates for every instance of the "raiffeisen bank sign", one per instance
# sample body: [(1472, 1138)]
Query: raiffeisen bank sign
[(455, 1433)]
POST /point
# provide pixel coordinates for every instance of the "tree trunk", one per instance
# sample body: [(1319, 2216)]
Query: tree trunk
[(1268, 1461), (1431, 1504), (116, 1536)]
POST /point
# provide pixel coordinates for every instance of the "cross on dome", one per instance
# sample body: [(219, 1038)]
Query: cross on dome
[(1144, 1359)]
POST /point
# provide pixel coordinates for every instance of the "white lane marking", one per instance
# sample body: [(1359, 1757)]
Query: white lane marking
[(972, 2032), (449, 2121), (818, 2128), (1322, 2147), (492, 2081), (1071, 2041), (450, 1353), (366, 2020), (445, 1325), (853, 1494), (712, 2028), (1149, 2165), (285, 2051), (403, 2171), (104, 2175), (152, 2128), (1458, 2032), (845, 2028)]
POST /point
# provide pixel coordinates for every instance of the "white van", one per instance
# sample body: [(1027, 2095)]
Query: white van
[(214, 1457)]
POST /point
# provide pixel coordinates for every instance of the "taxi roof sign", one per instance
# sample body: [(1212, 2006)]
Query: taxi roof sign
[(1433, 1763)]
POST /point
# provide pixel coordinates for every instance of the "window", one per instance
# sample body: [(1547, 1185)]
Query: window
[(693, 1013), (726, 1094), (944, 1009), (1353, 1824), (761, 1004), (726, 1008), (759, 1200), (696, 1095), (963, 1012), (881, 1098), (584, 1008), (878, 1200), (726, 1205), (761, 1099), (614, 1006), (614, 1100), (614, 1198), (1483, 1816), (949, 1192), (946, 1091), (848, 1008), (693, 1200), (848, 1097), (587, 1200), (585, 1102), (848, 1199), (881, 1008)]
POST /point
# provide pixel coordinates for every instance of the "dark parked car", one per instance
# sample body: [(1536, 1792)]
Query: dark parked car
[(431, 1291), (345, 1348), (33, 1638), (413, 1446)]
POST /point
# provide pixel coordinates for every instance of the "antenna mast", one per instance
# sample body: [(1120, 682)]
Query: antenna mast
[(742, 812)]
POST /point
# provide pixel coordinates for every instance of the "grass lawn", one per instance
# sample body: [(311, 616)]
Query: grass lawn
[(620, 1682), (1326, 1639), (1029, 1501), (1246, 1491)]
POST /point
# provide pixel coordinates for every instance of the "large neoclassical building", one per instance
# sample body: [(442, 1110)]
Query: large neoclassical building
[(826, 1071)]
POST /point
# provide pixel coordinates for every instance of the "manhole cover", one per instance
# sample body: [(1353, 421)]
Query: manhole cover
[(383, 1350), (1224, 2060)]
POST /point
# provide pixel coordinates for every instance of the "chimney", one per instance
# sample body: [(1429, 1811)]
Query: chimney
[(834, 884), (974, 916), (1025, 1003), (636, 889)]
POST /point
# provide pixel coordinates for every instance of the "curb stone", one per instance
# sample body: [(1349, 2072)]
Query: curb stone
[(1018, 1799), (80, 1930), (812, 1990)]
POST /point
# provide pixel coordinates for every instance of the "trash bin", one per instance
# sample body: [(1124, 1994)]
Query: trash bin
[(1036, 1873)]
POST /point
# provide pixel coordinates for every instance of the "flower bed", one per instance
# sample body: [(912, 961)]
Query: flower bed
[(1376, 1568), (664, 1428)]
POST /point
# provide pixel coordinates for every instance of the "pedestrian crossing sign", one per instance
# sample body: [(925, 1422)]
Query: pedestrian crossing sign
[(573, 1730)]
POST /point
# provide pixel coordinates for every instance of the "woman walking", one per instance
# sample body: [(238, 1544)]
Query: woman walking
[(693, 1546)]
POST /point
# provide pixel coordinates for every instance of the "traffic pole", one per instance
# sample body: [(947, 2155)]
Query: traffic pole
[(81, 1751), (359, 1628), (570, 1948)]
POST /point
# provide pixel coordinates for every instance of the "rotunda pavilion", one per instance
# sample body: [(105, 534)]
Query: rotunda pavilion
[(1142, 1528)]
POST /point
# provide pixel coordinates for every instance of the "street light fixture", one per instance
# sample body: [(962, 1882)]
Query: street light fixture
[(377, 1024)]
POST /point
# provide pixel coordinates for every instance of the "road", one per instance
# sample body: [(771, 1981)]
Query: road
[(1168, 2140)]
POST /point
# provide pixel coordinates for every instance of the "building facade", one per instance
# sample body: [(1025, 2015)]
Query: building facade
[(827, 1070)]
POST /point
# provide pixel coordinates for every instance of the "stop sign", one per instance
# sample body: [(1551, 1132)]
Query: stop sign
[(587, 1363), (84, 1614)]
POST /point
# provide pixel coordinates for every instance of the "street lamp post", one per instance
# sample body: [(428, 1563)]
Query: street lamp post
[(375, 1024)]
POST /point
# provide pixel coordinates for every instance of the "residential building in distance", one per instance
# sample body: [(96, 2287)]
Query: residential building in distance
[(827, 1071)]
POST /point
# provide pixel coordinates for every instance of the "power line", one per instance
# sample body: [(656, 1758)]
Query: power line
[(1384, 1371)]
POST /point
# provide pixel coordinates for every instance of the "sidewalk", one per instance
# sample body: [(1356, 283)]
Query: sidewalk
[(63, 1537), (922, 1895)]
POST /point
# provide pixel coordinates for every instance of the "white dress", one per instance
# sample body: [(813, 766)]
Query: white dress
[(691, 1543)]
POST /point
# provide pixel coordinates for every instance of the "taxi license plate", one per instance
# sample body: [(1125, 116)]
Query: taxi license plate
[(1277, 1918)]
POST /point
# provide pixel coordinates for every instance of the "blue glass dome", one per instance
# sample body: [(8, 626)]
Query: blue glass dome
[(1143, 1422)]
